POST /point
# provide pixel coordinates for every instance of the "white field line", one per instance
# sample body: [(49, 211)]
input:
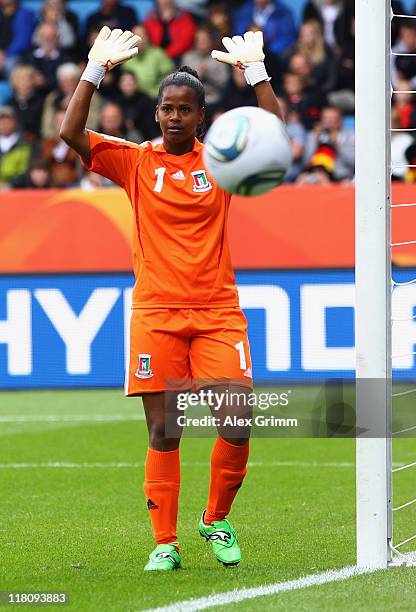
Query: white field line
[(232, 597), (139, 464)]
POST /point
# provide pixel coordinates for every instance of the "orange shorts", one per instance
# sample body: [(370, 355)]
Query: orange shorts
[(186, 348)]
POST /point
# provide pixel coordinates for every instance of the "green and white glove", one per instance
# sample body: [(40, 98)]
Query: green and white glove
[(111, 47), (246, 53)]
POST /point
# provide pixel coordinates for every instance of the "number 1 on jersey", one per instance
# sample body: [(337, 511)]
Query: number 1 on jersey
[(159, 172), (240, 348)]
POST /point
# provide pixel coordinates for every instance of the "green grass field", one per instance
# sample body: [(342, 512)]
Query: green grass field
[(73, 515)]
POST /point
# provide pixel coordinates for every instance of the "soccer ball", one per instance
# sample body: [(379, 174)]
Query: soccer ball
[(247, 151)]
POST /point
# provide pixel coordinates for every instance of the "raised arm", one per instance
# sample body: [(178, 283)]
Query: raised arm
[(111, 47), (247, 53), (267, 99), (73, 126)]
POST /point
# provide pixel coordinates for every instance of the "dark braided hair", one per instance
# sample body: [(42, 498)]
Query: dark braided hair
[(186, 77)]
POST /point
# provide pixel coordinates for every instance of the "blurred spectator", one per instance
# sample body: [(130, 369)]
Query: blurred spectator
[(410, 171), (300, 64), (219, 23), (273, 17), (71, 17), (53, 11), (213, 74), (68, 78), (15, 151), (217, 114), (325, 11), (91, 181), (109, 85), (47, 56), (150, 66), (342, 26), (329, 150), (37, 177), (16, 28), (308, 102), (404, 103), (312, 45), (170, 28), (297, 135), (27, 100), (405, 67), (232, 4), (112, 14), (138, 109), (111, 121), (343, 88), (400, 142), (63, 161), (398, 9), (237, 92)]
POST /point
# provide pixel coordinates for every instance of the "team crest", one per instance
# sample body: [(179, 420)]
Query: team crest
[(201, 183), (144, 370)]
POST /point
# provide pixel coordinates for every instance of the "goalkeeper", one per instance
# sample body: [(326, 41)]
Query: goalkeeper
[(186, 322)]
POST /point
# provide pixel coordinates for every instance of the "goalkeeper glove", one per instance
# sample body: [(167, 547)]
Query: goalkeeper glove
[(246, 53), (111, 47)]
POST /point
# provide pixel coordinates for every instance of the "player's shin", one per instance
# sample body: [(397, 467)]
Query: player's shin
[(161, 488), (228, 469)]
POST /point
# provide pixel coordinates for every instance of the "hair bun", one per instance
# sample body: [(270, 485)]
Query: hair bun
[(189, 70)]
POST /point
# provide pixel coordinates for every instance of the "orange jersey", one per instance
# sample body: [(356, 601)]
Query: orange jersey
[(181, 256)]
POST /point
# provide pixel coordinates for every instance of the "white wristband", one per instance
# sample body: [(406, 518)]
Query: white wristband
[(256, 73), (93, 73)]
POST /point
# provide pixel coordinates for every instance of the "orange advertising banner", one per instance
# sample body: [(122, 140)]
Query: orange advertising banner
[(291, 227)]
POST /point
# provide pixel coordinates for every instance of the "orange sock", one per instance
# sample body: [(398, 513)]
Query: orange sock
[(161, 487), (228, 468)]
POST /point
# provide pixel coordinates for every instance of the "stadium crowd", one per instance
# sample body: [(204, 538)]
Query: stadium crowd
[(311, 63)]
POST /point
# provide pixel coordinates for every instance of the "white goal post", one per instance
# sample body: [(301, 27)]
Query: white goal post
[(373, 282)]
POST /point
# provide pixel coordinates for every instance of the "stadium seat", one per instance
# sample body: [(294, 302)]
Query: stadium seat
[(5, 91), (408, 6), (83, 8), (142, 7)]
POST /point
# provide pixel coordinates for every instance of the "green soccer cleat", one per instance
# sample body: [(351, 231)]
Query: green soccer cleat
[(164, 558), (223, 538)]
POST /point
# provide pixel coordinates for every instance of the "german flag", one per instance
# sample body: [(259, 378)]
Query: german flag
[(324, 158)]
